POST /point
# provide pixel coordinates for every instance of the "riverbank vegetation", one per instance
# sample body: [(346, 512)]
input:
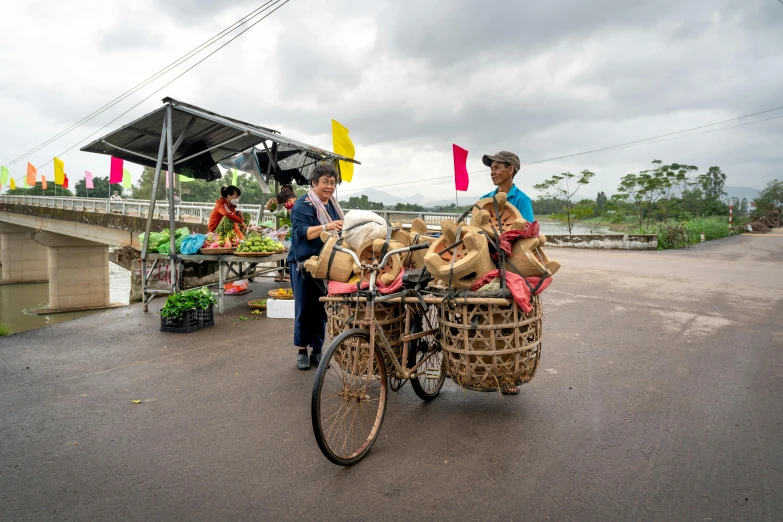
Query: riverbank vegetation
[(4, 330), (671, 200)]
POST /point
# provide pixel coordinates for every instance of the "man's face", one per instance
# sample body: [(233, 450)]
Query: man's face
[(501, 172)]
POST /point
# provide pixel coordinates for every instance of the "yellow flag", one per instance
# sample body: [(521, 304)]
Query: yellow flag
[(344, 147), (13, 184), (59, 171)]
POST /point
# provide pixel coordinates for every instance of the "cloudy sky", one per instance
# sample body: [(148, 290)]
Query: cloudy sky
[(409, 78)]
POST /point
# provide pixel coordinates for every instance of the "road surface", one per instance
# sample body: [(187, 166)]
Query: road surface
[(659, 397)]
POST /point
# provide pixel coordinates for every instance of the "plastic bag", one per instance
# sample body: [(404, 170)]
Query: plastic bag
[(235, 287), (156, 240), (181, 232), (165, 248), (192, 243), (362, 225)]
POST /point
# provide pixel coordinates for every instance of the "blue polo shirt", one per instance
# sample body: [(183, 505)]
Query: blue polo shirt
[(519, 199)]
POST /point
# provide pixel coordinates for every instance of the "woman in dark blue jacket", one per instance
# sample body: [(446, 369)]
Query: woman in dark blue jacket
[(313, 213)]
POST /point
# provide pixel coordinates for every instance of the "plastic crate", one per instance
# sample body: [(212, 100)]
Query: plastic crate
[(190, 321)]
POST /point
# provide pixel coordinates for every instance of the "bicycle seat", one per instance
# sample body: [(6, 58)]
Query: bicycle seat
[(417, 276)]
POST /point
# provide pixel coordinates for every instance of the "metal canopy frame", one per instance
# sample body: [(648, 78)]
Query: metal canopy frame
[(203, 132)]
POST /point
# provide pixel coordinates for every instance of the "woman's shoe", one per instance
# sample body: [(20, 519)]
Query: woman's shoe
[(302, 362)]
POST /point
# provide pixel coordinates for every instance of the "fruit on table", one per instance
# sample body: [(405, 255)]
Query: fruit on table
[(259, 244)]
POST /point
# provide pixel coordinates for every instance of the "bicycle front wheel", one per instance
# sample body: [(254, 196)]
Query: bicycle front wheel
[(349, 398)]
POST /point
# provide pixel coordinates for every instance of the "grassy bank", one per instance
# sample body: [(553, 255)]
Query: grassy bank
[(4, 330), (681, 235)]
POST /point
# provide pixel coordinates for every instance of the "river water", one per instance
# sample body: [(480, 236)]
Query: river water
[(16, 301)]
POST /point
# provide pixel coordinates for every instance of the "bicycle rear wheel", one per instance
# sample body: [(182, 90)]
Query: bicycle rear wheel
[(431, 375), (349, 399)]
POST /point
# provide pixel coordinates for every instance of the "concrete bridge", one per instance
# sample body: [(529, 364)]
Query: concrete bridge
[(65, 242)]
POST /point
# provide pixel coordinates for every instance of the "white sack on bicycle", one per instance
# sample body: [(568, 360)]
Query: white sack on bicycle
[(360, 226)]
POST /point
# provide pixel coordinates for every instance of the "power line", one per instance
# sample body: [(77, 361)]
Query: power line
[(279, 5), (654, 137), (147, 81), (613, 147)]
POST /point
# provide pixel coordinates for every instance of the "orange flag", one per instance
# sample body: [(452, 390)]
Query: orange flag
[(43, 182), (32, 174)]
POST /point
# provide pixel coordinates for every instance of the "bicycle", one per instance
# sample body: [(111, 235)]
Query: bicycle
[(351, 385)]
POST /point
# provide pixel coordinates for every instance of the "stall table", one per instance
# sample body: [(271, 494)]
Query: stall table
[(230, 268)]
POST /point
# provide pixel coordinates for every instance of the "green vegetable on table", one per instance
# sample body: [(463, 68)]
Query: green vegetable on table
[(197, 298)]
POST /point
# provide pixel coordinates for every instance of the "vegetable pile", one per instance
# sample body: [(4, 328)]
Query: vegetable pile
[(179, 303)]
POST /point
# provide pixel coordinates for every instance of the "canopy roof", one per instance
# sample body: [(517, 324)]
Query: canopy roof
[(202, 139)]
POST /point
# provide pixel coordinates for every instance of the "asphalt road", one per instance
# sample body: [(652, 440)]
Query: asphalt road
[(659, 397)]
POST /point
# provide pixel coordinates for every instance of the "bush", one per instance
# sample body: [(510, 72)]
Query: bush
[(687, 233), (4, 330)]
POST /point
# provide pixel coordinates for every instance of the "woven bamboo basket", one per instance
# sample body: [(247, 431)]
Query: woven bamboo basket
[(487, 347), (390, 317)]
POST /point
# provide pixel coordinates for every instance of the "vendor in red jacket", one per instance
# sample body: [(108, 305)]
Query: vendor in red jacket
[(226, 206)]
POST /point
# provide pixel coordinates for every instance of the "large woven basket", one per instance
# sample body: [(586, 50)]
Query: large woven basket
[(390, 317), (487, 347)]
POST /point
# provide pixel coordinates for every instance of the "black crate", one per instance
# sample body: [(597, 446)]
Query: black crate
[(190, 321)]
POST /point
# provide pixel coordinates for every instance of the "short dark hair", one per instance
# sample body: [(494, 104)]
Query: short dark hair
[(284, 196), (323, 171), (227, 191)]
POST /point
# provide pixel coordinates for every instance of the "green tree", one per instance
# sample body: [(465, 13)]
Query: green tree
[(38, 191), (563, 187), (410, 207), (743, 208), (101, 190), (600, 202), (770, 198), (711, 184), (361, 203), (668, 178)]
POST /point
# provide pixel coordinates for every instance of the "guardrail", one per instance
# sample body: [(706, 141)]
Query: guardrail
[(194, 212)]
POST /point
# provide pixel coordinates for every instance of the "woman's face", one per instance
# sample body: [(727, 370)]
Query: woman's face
[(233, 198), (325, 186), (290, 203)]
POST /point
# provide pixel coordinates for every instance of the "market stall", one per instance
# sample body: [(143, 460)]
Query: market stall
[(192, 142)]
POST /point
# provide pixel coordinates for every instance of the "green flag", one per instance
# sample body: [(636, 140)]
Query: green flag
[(126, 179), (185, 179), (3, 176), (234, 177)]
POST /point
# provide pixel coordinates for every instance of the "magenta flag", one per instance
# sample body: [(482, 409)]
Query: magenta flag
[(167, 179), (115, 174), (88, 179), (461, 179)]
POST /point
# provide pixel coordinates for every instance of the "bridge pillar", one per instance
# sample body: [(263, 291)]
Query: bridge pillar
[(78, 273), (23, 260)]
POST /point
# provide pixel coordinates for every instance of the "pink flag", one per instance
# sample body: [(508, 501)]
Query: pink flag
[(460, 168), (88, 179), (167, 179), (115, 174)]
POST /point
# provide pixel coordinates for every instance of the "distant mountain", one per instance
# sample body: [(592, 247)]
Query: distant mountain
[(742, 192)]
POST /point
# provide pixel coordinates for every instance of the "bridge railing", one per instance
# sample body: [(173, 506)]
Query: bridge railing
[(193, 212)]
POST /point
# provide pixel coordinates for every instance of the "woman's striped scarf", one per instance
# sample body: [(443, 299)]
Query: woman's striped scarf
[(320, 208)]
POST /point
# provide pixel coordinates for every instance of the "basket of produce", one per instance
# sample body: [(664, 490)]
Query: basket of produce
[(281, 293), (256, 245), (487, 347), (188, 311), (390, 317), (222, 241), (257, 304)]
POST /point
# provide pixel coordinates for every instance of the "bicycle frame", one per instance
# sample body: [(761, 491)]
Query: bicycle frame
[(401, 369)]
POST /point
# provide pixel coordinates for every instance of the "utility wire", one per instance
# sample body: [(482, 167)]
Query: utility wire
[(613, 147), (147, 81), (279, 5)]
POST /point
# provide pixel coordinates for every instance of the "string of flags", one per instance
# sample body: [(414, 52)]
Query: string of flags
[(30, 179), (120, 176)]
